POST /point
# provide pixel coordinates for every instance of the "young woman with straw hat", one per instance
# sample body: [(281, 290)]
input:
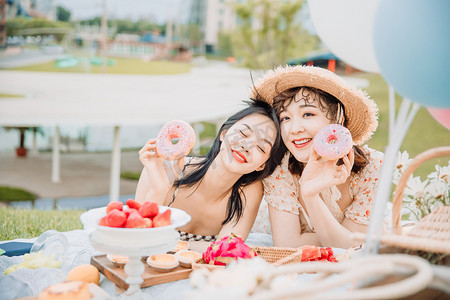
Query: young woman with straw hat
[(313, 200)]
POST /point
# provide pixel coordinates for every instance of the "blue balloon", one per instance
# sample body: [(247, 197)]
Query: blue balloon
[(412, 47)]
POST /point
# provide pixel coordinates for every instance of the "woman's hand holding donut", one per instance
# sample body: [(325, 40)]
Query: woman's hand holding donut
[(161, 175), (320, 174)]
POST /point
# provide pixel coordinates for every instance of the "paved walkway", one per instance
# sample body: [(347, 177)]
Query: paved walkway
[(82, 174)]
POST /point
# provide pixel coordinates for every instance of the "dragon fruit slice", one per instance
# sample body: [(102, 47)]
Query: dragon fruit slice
[(226, 250)]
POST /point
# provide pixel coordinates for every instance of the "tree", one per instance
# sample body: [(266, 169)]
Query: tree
[(193, 34), (269, 32), (21, 150), (62, 14), (17, 25), (225, 44)]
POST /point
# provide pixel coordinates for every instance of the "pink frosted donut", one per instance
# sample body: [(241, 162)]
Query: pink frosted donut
[(333, 141), (171, 149)]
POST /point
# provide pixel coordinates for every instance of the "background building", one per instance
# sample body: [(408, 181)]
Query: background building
[(211, 16), (31, 8)]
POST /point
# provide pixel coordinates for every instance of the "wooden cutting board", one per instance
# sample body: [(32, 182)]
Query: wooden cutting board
[(150, 276)]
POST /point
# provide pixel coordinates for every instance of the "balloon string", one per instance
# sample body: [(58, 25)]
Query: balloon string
[(402, 124), (391, 114)]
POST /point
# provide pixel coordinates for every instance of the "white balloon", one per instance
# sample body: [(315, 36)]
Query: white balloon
[(346, 28)]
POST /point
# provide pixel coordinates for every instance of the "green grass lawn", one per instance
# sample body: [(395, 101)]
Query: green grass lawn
[(29, 223), (4, 95), (121, 66)]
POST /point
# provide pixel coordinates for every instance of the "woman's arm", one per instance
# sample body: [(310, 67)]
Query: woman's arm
[(158, 176), (329, 232), (251, 199), (145, 191), (318, 175), (286, 231)]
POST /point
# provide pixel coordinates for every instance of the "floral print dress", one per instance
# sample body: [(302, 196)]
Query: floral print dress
[(281, 191)]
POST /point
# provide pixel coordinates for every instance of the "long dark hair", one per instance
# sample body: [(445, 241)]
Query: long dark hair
[(235, 205), (332, 107)]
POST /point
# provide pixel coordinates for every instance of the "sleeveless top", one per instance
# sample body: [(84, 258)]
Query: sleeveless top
[(186, 236)]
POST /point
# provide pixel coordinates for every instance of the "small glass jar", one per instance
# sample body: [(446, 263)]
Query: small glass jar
[(51, 242)]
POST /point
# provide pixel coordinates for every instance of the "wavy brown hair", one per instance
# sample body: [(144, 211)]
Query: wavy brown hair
[(334, 111)]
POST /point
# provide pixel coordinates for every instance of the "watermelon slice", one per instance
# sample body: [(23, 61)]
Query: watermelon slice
[(310, 253), (162, 219)]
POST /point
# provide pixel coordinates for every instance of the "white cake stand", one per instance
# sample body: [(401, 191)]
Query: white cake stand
[(138, 242)]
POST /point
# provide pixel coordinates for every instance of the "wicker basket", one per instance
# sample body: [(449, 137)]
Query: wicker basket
[(279, 256), (432, 233)]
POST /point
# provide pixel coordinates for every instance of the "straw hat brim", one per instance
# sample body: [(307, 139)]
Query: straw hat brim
[(361, 111)]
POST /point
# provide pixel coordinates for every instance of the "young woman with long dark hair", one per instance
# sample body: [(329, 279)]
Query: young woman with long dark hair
[(221, 191)]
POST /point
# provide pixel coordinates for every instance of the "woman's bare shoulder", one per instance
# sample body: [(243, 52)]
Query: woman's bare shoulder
[(255, 188)]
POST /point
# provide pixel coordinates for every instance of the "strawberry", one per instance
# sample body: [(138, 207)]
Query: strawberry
[(330, 251), (149, 209), (130, 211), (103, 222), (116, 218), (135, 220), (162, 219), (114, 205), (133, 204)]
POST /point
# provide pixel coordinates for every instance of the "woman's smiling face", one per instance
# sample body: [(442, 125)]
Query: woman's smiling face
[(247, 144), (300, 120)]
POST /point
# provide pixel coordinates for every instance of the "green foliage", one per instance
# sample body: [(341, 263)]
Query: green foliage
[(62, 14), (8, 194), (94, 21), (122, 66), (3, 95), (268, 33), (130, 175), (16, 25), (127, 26), (22, 131), (209, 130), (225, 44), (193, 34), (27, 223)]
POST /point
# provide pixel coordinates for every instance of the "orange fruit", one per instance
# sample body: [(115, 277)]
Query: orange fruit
[(86, 273)]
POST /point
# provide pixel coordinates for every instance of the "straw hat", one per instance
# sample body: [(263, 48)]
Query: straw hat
[(361, 112)]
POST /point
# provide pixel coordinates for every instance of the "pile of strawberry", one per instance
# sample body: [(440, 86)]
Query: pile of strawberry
[(137, 215), (313, 253)]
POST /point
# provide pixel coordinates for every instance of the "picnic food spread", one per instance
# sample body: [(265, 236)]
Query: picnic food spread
[(333, 141), (145, 215), (175, 140)]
